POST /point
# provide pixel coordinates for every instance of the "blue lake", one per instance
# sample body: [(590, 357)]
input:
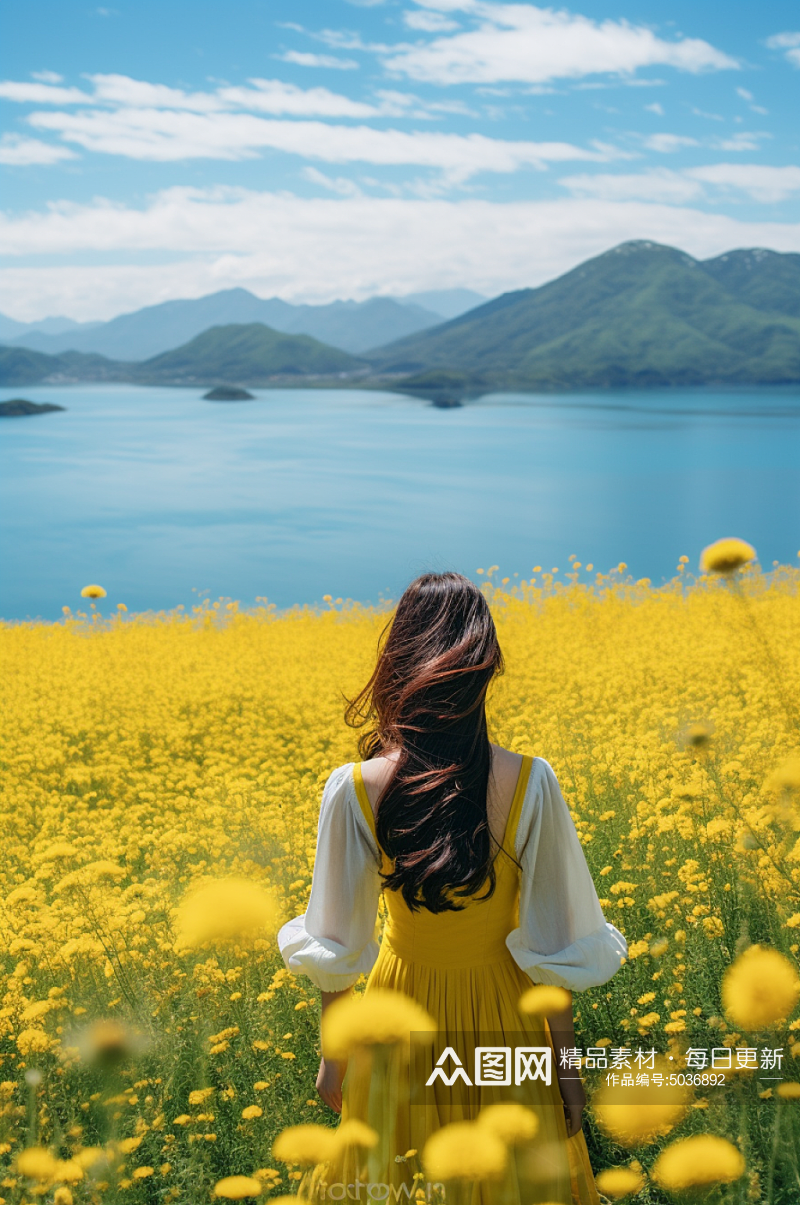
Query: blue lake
[(162, 497)]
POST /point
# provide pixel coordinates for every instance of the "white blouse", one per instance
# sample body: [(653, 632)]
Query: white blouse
[(563, 937)]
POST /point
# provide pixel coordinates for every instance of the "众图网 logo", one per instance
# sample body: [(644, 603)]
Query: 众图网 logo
[(494, 1065)]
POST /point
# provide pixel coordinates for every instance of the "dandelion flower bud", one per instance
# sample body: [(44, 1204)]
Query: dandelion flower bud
[(380, 1016), (702, 1160), (237, 1188), (760, 989), (726, 556), (465, 1150)]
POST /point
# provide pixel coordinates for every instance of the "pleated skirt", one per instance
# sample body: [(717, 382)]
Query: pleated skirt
[(382, 1088)]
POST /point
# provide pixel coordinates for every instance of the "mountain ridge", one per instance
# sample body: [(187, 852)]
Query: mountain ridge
[(639, 314), (243, 354), (353, 326)]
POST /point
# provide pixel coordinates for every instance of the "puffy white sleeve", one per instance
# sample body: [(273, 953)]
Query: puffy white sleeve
[(563, 937), (334, 941)]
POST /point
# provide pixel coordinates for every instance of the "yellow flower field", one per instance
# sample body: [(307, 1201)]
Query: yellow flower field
[(155, 764)]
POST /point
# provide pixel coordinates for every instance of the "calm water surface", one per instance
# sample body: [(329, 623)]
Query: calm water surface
[(162, 497)]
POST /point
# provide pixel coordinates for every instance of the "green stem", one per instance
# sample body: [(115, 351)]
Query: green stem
[(776, 1131), (775, 669)]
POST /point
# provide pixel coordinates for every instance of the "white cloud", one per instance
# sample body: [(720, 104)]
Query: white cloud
[(47, 77), (789, 43), (164, 135), (524, 43), (329, 61), (16, 151), (262, 95), (275, 96), (339, 185), (756, 180), (428, 21), (316, 249), (667, 144), (660, 185), (655, 108), (42, 94), (121, 90), (741, 142)]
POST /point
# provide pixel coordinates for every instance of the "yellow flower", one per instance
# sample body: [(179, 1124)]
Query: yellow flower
[(106, 1042), (785, 778), (726, 556), (760, 989), (37, 1163), (541, 1000), (69, 1170), (62, 1196), (509, 1121), (464, 1150), (60, 849), (89, 1156), (702, 1160), (252, 1111), (33, 1041), (376, 1017), (200, 1095), (93, 592), (230, 909), (698, 735), (127, 1145), (642, 1114), (790, 1090), (618, 1182), (356, 1133), (141, 1173), (305, 1144), (237, 1188)]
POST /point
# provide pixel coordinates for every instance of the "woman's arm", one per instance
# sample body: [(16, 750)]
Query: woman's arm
[(562, 1031), (331, 1074)]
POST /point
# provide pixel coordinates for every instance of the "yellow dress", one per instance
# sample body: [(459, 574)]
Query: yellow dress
[(458, 967)]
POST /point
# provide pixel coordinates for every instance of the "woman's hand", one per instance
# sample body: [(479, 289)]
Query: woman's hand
[(574, 1098), (329, 1083), (331, 1074), (562, 1034)]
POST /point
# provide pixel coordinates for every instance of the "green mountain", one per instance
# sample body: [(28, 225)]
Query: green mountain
[(19, 366), (766, 280), (234, 355), (353, 326), (245, 355), (641, 314)]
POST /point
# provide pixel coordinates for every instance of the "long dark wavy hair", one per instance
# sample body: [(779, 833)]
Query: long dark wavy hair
[(426, 698)]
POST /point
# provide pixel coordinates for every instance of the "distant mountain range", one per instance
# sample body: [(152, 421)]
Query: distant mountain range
[(249, 354), (639, 315), (354, 326)]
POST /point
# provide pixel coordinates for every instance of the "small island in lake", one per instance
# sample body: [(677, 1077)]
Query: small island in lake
[(18, 406), (228, 393)]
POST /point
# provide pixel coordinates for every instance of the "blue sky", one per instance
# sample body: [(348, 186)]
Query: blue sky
[(343, 149)]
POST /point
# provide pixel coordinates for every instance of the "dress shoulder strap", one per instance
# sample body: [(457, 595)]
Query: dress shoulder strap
[(363, 799), (512, 823)]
